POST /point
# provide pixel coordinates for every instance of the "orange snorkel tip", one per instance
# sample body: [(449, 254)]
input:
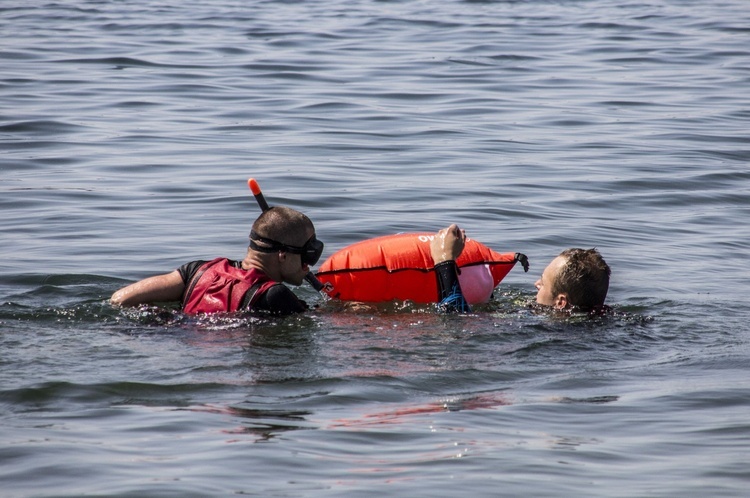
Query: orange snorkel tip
[(254, 187)]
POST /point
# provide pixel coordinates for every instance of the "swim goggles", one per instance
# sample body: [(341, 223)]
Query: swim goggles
[(310, 252)]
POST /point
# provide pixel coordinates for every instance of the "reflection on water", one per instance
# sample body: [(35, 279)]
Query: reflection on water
[(400, 415), (261, 424)]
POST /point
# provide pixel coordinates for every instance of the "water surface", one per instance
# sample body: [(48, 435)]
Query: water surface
[(128, 131)]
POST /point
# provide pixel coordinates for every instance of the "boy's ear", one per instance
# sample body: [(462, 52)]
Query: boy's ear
[(561, 301)]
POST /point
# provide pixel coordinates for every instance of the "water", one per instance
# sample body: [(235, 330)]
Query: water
[(128, 130)]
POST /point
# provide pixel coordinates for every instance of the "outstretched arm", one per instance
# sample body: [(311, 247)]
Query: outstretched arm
[(161, 288), (445, 248)]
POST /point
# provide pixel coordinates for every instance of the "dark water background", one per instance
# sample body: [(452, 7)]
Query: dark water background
[(128, 131)]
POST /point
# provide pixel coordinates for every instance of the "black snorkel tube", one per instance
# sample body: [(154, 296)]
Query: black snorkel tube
[(258, 194)]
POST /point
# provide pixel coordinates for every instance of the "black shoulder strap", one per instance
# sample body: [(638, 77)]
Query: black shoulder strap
[(197, 276), (250, 295)]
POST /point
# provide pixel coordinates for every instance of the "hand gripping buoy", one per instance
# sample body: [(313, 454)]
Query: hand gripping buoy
[(400, 267)]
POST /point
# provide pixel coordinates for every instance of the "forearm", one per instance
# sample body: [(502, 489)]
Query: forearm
[(161, 288), (450, 296)]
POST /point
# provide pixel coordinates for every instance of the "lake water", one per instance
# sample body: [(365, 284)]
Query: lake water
[(128, 131)]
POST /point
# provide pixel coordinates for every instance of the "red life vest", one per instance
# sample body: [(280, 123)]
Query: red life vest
[(220, 286)]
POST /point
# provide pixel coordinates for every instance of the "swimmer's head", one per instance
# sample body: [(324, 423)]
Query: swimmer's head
[(577, 278), (283, 245)]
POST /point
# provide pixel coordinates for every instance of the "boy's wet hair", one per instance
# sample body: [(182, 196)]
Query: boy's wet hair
[(584, 278)]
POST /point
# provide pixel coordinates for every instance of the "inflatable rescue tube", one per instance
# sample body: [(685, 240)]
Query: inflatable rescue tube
[(400, 267)]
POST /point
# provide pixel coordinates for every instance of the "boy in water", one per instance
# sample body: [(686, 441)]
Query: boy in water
[(576, 279)]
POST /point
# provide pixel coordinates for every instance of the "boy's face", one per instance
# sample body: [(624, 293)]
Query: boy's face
[(544, 285)]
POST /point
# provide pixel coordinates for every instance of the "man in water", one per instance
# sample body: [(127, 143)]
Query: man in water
[(576, 279), (282, 248)]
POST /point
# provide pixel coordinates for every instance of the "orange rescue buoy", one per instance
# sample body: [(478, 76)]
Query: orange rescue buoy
[(400, 267)]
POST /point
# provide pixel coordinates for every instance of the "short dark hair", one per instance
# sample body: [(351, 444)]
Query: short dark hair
[(584, 278), (283, 224)]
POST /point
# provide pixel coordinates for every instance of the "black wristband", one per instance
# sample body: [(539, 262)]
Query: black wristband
[(447, 278)]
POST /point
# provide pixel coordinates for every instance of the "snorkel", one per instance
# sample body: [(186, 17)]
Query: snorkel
[(258, 194)]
